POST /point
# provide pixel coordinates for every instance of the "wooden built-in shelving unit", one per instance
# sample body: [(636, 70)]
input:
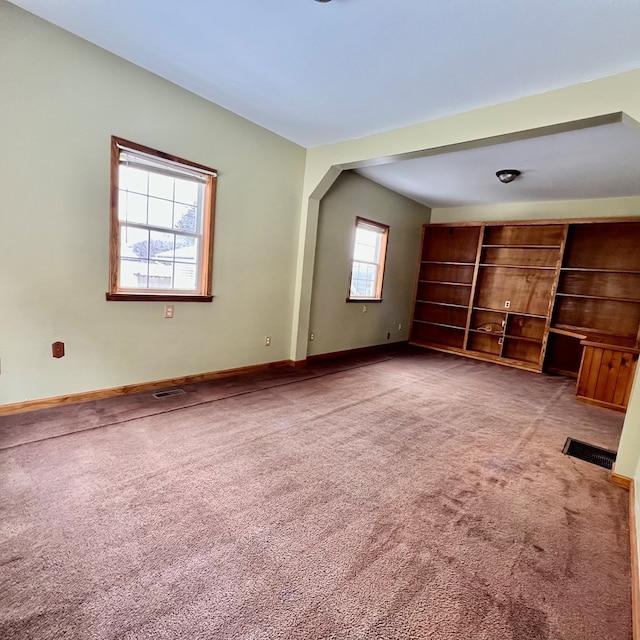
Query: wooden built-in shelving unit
[(534, 295)]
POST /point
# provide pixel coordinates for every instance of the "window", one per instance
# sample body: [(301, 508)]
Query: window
[(162, 213), (369, 251)]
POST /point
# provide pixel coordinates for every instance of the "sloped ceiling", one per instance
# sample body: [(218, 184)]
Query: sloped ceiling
[(318, 73)]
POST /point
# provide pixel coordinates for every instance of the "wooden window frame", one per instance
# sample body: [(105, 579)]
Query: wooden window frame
[(209, 175), (384, 232)]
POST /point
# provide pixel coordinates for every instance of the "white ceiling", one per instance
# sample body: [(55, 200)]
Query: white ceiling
[(596, 162), (320, 73)]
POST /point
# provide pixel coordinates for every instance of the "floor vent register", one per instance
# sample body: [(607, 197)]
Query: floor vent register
[(589, 453), (167, 394)]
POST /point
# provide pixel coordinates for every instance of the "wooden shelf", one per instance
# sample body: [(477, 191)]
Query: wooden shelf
[(589, 297), (592, 270), (567, 332), (586, 332), (418, 342), (449, 284), (461, 264), (517, 266), (521, 246), (444, 304), (440, 324), (523, 339), (510, 362), (512, 313)]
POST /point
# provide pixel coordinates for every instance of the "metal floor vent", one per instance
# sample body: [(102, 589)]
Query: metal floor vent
[(594, 455), (166, 394)]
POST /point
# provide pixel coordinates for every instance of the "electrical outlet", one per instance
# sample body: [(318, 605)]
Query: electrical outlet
[(365, 308), (399, 326), (168, 311), (267, 341), (507, 304), (312, 337), (57, 349)]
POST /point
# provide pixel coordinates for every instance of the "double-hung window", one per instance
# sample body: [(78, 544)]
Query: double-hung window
[(369, 253), (162, 217)]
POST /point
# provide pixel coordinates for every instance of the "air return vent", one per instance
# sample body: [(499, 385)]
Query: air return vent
[(170, 392), (589, 453)]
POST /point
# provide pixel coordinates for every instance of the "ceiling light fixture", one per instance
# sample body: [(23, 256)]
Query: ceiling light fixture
[(323, 0), (507, 175)]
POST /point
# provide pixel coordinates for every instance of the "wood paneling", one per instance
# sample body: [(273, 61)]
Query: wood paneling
[(528, 291), (430, 333), (525, 327), (606, 375), (445, 293), (486, 343), (451, 243), (564, 354), (519, 256), (442, 272), (522, 350), (455, 316), (606, 285), (598, 316), (604, 246), (531, 235)]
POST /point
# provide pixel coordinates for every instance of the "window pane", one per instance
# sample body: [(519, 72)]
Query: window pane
[(133, 208), (161, 186), (186, 249), (363, 280), (134, 243), (161, 245), (160, 212), (133, 179), (134, 274), (186, 191), (161, 274), (185, 217), (185, 275), (367, 245)]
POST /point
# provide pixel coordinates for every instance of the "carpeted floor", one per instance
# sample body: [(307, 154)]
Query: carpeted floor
[(415, 496)]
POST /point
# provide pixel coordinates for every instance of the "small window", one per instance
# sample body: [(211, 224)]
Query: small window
[(162, 214), (369, 251)]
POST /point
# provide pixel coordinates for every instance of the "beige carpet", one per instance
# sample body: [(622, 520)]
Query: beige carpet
[(415, 496)]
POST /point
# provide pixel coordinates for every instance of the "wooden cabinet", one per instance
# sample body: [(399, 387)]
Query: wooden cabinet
[(606, 373), (526, 294)]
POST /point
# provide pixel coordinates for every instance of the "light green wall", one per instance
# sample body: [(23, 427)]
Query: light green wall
[(628, 459), (337, 324), (60, 101), (603, 208)]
